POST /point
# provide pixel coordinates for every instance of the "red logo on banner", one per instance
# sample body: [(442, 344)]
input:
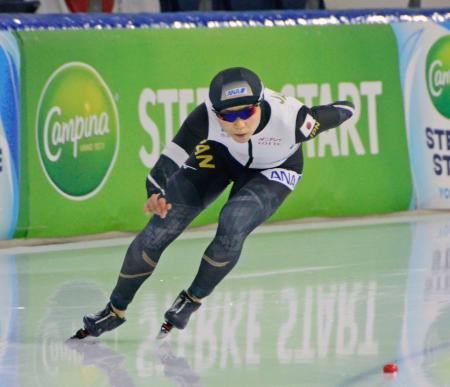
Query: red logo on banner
[(90, 5)]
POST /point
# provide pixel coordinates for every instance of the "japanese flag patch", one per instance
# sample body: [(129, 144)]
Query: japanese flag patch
[(308, 125)]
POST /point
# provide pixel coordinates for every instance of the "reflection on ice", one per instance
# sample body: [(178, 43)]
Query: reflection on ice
[(176, 368), (315, 307), (425, 344), (98, 355), (93, 353)]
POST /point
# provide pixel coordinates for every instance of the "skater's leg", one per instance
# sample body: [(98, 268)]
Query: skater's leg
[(144, 252), (254, 203), (251, 205), (141, 258), (189, 191)]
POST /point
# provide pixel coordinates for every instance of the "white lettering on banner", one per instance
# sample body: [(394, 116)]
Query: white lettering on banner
[(371, 90), (348, 129), (202, 94), (186, 98), (175, 104), (168, 97), (437, 78), (71, 131), (148, 158)]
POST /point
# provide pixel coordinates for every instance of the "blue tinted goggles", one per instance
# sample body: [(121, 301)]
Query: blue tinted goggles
[(243, 114)]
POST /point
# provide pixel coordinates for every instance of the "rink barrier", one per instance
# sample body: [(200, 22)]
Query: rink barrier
[(221, 19), (146, 72)]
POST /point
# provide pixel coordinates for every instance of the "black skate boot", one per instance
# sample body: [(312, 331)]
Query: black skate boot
[(179, 313), (98, 323)]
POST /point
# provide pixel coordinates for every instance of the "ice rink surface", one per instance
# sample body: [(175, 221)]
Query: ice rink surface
[(320, 304)]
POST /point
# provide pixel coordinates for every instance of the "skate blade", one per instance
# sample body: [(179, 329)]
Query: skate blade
[(164, 331), (80, 335)]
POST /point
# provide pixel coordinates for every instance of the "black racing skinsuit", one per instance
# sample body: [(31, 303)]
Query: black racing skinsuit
[(190, 188)]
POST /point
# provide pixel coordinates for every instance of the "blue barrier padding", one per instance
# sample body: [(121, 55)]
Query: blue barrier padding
[(23, 22)]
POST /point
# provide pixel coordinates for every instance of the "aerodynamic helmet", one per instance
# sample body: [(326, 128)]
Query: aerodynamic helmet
[(235, 86)]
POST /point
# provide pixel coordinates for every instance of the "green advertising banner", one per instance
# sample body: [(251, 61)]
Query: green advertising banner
[(98, 106)]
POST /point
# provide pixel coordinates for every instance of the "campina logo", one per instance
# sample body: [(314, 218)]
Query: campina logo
[(77, 130), (438, 75)]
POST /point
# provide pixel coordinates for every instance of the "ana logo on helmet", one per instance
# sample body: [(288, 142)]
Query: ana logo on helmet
[(438, 75), (77, 130)]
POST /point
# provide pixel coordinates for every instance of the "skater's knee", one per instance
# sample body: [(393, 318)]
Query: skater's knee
[(139, 261), (217, 263), (211, 272), (239, 217)]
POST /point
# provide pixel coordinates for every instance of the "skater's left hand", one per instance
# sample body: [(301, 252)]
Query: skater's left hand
[(157, 204)]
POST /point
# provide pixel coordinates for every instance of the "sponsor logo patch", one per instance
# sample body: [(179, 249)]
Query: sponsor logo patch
[(236, 91), (284, 176), (270, 141)]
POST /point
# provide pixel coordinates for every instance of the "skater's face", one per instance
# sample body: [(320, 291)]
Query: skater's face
[(240, 122)]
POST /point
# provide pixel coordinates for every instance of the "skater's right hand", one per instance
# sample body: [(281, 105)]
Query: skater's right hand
[(157, 204)]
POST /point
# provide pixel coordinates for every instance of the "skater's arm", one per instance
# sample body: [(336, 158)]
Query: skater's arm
[(193, 130), (160, 174), (312, 121)]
